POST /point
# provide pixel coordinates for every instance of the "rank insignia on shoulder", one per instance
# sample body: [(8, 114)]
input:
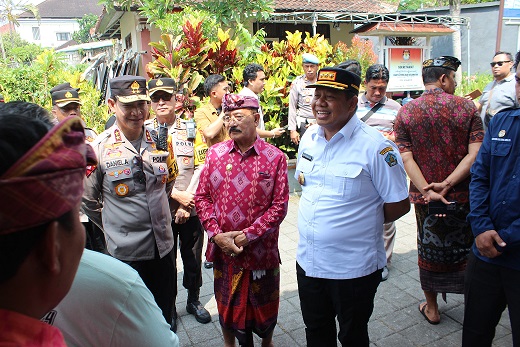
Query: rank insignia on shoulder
[(391, 159), (122, 189)]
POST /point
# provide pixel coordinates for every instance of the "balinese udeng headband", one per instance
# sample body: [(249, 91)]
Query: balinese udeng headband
[(47, 181), (231, 102)]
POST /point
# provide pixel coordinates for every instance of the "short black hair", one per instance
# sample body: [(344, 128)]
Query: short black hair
[(350, 65), (432, 74), (509, 55), (22, 125), (377, 72), (211, 81), (517, 60), (250, 72)]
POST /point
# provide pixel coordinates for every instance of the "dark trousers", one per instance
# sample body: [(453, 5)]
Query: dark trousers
[(352, 301), (158, 275), (488, 289), (190, 237), (95, 238)]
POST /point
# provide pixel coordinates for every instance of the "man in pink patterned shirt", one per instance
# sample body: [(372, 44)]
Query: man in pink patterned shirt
[(242, 200)]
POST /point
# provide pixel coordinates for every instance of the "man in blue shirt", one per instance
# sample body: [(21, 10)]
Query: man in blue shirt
[(353, 181), (493, 271)]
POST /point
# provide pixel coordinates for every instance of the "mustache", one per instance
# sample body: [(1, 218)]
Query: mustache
[(234, 129)]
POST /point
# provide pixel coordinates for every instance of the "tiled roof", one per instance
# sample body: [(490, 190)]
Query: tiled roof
[(366, 6), (66, 9)]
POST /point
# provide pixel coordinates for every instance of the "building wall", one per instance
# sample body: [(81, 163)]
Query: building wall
[(48, 28), (482, 33)]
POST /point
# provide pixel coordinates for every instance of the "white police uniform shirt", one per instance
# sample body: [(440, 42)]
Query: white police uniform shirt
[(346, 182), (136, 217)]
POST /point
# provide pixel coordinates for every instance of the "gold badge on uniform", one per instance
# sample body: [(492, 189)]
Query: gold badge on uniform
[(68, 95), (122, 189), (301, 179), (229, 167), (117, 135), (501, 133)]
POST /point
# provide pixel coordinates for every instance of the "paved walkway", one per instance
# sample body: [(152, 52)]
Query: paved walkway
[(396, 321)]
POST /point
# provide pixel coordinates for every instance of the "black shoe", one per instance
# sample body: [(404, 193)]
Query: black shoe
[(208, 264), (201, 314)]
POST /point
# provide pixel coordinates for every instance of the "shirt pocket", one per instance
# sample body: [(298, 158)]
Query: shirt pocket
[(120, 181), (500, 148), (305, 166), (266, 183), (347, 181)]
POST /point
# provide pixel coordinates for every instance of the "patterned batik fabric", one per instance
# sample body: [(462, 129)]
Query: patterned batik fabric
[(248, 192), (443, 244), (245, 302), (438, 128)]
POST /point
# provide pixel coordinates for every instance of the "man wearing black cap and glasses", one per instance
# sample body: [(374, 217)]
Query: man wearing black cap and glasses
[(190, 152), (132, 179), (353, 181)]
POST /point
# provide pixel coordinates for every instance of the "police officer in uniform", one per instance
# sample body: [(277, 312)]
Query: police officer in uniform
[(189, 152), (300, 98), (66, 102), (133, 181)]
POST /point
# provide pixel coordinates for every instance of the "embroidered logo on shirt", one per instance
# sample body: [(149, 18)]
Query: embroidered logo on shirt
[(391, 159), (386, 150)]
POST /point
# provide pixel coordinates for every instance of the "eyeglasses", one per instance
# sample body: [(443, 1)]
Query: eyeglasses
[(239, 117), (157, 97), (138, 173), (499, 63)]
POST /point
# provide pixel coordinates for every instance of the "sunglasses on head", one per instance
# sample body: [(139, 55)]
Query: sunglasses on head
[(156, 97), (499, 63)]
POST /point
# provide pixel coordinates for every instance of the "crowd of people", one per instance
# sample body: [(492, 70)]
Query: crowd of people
[(145, 187)]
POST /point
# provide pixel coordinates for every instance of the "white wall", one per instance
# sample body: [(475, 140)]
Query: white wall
[(48, 30)]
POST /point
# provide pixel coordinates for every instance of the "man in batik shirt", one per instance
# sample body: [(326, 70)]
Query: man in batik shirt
[(439, 135), (242, 200)]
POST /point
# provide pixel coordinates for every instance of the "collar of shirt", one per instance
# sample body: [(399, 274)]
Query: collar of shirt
[(507, 79), (254, 148), (346, 132), (365, 101)]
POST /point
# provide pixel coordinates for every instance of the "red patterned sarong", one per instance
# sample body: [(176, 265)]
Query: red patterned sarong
[(246, 304)]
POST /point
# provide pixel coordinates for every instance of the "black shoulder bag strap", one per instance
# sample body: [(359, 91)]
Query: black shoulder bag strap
[(371, 112)]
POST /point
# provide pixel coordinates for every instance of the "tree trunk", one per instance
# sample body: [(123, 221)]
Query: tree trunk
[(456, 40)]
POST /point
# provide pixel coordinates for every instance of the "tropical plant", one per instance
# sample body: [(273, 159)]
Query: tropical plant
[(473, 82), (10, 11), (18, 51), (227, 12), (86, 23), (32, 83)]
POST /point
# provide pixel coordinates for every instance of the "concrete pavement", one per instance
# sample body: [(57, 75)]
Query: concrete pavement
[(396, 321)]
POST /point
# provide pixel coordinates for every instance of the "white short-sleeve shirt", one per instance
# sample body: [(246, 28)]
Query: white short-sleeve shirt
[(346, 182)]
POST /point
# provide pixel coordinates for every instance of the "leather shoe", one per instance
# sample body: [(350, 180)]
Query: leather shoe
[(201, 314), (384, 274), (208, 264)]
